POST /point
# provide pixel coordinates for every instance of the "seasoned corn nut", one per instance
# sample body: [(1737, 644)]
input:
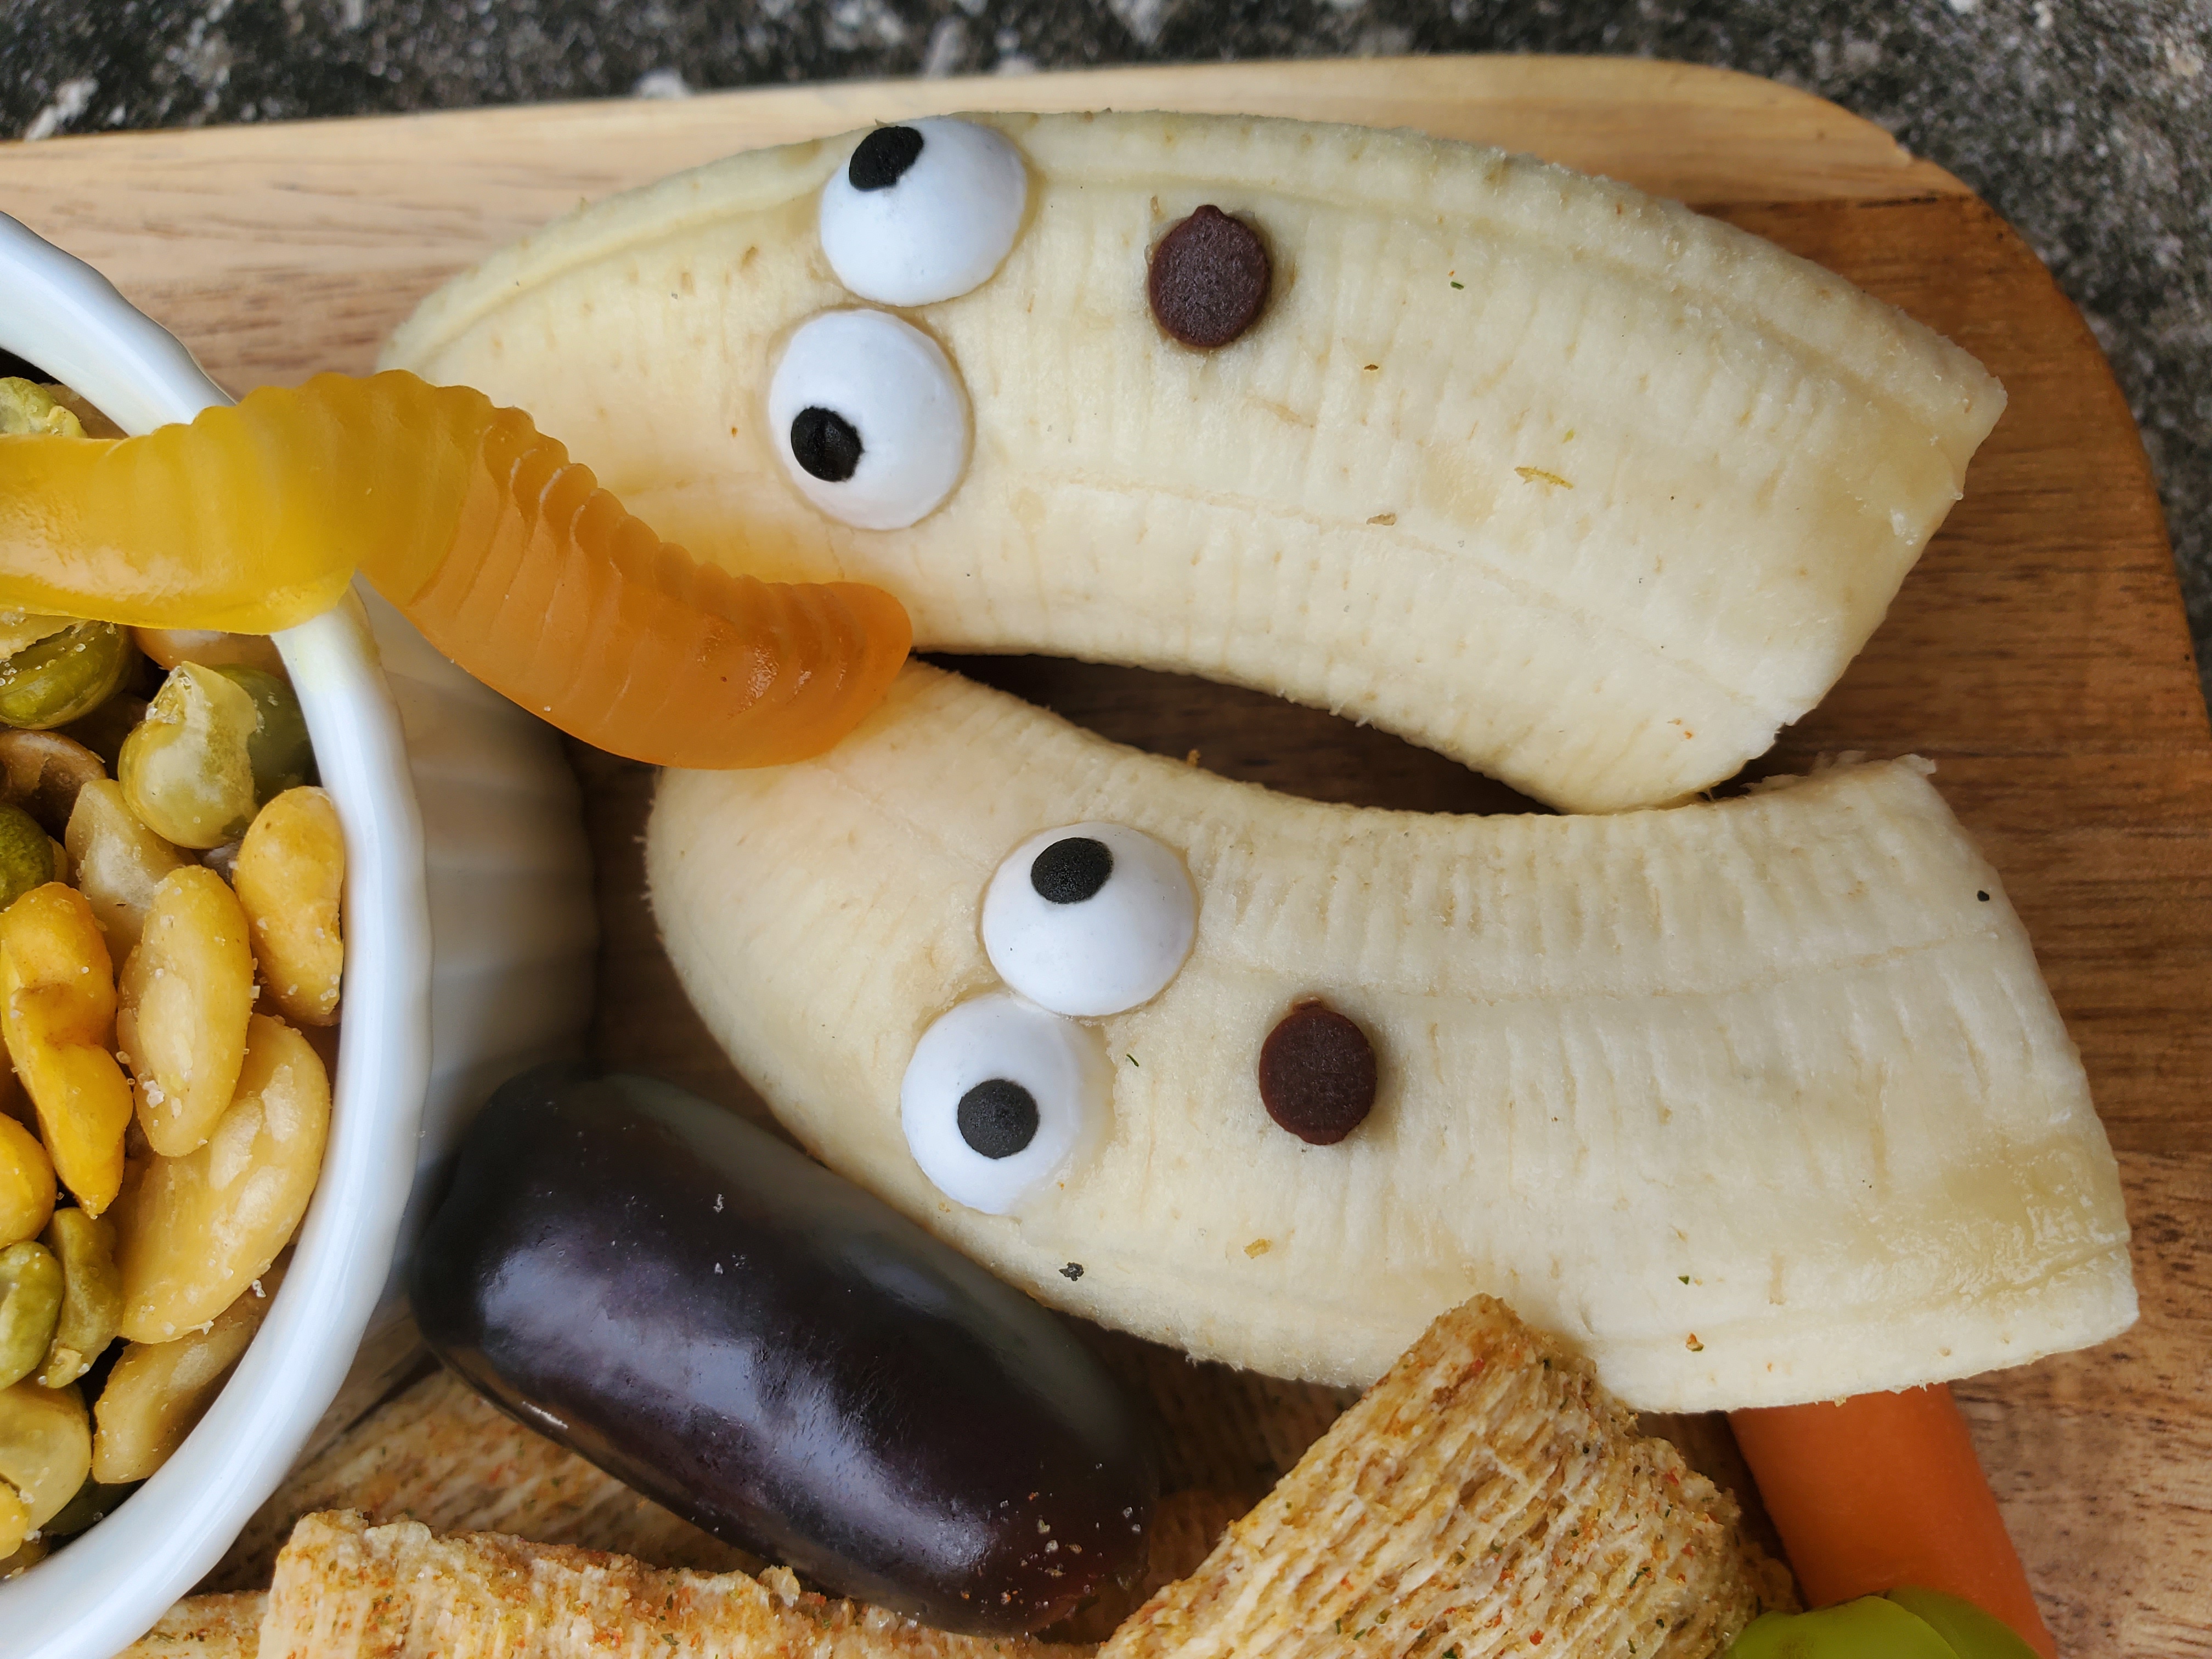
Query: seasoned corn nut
[(45, 1447), (290, 877), (30, 1305), (57, 1009), (119, 861), (159, 1390), (15, 1521), (193, 1232), (91, 1295), (186, 993), (26, 1183)]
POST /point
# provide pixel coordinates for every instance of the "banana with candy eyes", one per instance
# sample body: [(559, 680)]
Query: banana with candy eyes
[(1753, 1101), (1576, 486)]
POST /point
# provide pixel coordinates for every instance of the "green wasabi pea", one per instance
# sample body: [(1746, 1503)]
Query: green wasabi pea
[(30, 1303), (187, 767), (27, 855), (64, 676), (93, 1502), (91, 1295), (25, 406), (278, 750)]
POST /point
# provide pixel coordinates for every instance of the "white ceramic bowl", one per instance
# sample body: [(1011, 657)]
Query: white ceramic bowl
[(507, 877)]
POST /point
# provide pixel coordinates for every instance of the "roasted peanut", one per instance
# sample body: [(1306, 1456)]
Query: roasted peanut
[(42, 772), (159, 1390), (103, 730), (45, 1447), (170, 646), (119, 861), (13, 1103), (57, 1008), (26, 1183), (30, 1303), (193, 1232), (91, 1295), (290, 877), (186, 994)]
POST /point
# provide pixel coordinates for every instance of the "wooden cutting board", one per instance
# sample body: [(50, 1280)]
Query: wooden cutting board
[(2037, 653)]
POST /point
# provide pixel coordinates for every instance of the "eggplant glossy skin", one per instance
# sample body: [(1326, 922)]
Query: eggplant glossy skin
[(778, 1356)]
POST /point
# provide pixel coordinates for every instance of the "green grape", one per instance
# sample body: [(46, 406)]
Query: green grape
[(1869, 1628), (280, 751), (54, 680), (187, 769), (1971, 1633), (27, 855)]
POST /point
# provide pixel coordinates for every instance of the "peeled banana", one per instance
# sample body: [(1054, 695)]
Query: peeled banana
[(1576, 486), (1753, 1101)]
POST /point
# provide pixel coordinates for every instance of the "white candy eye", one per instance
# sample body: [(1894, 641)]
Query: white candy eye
[(1000, 1097), (923, 212), (1090, 920), (869, 417)]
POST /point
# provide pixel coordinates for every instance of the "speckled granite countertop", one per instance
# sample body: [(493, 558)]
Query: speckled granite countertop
[(2087, 123)]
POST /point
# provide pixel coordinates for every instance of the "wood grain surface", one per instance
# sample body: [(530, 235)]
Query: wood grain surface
[(2037, 653)]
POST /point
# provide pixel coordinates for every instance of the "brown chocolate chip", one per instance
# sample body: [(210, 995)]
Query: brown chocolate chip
[(1209, 277), (1317, 1074)]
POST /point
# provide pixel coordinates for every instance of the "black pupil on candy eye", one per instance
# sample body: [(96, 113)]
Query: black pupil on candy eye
[(998, 1117), (1071, 871), (883, 157), (826, 443)]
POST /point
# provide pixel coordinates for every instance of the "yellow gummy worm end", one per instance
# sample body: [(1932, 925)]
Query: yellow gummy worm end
[(501, 549), (250, 518)]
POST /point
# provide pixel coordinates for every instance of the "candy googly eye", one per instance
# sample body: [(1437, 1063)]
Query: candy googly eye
[(1090, 919), (923, 212), (869, 417), (998, 1098)]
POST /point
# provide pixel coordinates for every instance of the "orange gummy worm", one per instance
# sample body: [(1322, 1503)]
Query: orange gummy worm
[(505, 554), (1882, 1491)]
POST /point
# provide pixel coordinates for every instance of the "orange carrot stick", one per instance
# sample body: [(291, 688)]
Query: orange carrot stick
[(1882, 1491)]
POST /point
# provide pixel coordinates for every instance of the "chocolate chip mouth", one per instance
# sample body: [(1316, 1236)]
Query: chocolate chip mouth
[(883, 157), (1317, 1073), (826, 444), (1208, 279), (998, 1117)]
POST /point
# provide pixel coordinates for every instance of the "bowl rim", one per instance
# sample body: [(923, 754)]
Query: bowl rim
[(87, 1603)]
